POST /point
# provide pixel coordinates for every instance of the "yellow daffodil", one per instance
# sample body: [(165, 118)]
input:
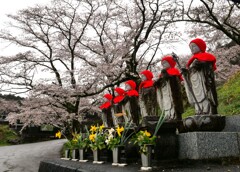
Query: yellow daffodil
[(147, 133), (75, 135), (58, 135), (92, 137), (93, 128), (101, 127), (74, 140), (119, 130)]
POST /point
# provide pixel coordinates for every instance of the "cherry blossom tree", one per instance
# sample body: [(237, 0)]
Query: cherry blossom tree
[(74, 50), (218, 23)]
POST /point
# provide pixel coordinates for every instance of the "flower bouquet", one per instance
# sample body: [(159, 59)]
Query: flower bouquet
[(146, 141), (116, 139), (96, 141), (81, 144), (67, 146)]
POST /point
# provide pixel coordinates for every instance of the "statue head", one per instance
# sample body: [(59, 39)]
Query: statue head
[(168, 62), (197, 45), (130, 85), (146, 75), (108, 97), (119, 91)]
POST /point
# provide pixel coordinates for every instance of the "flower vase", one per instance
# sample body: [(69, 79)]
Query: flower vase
[(66, 154), (147, 158), (116, 152), (82, 155), (74, 154), (96, 155)]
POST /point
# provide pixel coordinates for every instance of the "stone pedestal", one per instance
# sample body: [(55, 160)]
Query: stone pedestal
[(166, 147), (150, 122), (232, 124), (208, 145), (203, 123)]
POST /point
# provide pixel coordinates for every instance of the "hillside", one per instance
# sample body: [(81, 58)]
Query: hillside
[(228, 98)]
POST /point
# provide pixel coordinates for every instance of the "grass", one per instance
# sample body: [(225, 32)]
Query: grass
[(228, 98), (6, 134)]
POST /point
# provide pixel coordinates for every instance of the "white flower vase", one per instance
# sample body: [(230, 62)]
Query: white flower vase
[(82, 155), (147, 158), (66, 154), (116, 152), (96, 157), (74, 154)]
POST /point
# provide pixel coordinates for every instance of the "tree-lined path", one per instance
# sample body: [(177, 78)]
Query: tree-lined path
[(27, 157)]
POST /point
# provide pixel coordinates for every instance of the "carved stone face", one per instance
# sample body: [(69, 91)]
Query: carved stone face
[(127, 87), (194, 48), (105, 99), (143, 77), (165, 64)]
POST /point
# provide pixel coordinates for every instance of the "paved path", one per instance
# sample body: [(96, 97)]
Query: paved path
[(26, 157)]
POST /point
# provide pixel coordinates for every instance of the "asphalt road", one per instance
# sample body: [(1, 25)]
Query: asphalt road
[(26, 157)]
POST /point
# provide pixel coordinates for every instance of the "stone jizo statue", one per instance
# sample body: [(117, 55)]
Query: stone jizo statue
[(169, 92), (201, 67), (147, 95), (106, 110), (117, 110), (130, 103)]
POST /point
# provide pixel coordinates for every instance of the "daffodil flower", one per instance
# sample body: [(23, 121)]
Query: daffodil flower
[(58, 135), (92, 137), (119, 130), (147, 133), (93, 128), (74, 140), (101, 127)]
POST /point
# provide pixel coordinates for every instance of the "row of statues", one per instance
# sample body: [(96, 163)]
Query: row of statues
[(164, 95)]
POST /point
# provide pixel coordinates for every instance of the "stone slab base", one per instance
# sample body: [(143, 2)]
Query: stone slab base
[(208, 145), (232, 124)]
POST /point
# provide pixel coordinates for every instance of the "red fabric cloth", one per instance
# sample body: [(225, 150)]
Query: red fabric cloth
[(170, 60), (120, 96), (148, 74), (108, 96), (203, 57), (105, 105), (200, 43), (148, 82), (131, 93), (132, 84), (173, 72), (118, 99)]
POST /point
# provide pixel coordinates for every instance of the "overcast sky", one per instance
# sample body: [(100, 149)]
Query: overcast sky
[(12, 6)]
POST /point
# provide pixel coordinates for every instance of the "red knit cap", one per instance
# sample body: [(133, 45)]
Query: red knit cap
[(132, 84), (148, 74), (170, 60), (108, 96), (120, 91), (200, 43)]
